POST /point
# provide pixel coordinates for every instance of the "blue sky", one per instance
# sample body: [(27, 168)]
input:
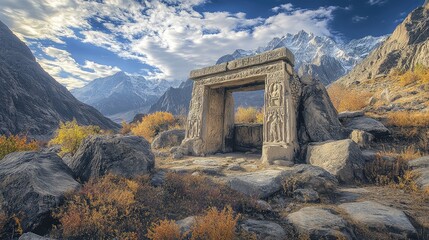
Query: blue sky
[(77, 41)]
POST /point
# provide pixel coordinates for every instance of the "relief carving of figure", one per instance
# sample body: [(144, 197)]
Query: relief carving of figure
[(193, 128), (275, 94), (275, 120)]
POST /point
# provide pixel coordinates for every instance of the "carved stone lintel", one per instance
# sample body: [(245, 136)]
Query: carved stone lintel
[(263, 58)]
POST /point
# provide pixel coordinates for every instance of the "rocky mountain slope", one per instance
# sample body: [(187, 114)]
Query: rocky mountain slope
[(32, 102), (404, 49), (175, 100), (121, 96), (319, 56)]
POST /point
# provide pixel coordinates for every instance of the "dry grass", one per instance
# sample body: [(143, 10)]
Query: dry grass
[(408, 119), (153, 124), (114, 207), (345, 99), (213, 225), (394, 173), (15, 144), (164, 230), (248, 115), (419, 75), (216, 225)]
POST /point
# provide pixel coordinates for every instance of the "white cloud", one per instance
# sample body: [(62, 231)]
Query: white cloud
[(62, 62), (287, 7), (377, 2), (357, 19), (168, 35)]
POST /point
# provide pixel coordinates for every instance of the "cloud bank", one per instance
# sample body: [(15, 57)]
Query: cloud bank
[(170, 36)]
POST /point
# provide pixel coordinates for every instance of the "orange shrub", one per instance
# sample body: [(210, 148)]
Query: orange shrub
[(408, 119), (248, 115), (345, 99), (102, 209), (114, 207), (152, 124), (15, 144), (164, 230), (216, 225)]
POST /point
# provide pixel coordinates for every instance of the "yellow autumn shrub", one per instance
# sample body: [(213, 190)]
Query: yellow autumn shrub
[(15, 143), (248, 115), (70, 135), (152, 124)]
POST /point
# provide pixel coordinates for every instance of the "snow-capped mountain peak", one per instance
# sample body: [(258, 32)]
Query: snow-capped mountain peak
[(311, 50)]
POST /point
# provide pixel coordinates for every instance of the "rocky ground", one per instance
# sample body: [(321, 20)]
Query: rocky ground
[(354, 188)]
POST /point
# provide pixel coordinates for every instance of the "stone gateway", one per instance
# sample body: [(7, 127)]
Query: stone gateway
[(210, 122)]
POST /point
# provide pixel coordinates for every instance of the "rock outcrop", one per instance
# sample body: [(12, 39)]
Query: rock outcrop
[(341, 158), (392, 222), (367, 124), (320, 223), (32, 101), (420, 169), (32, 184), (317, 117), (266, 230), (260, 184), (404, 49), (127, 156), (304, 176), (170, 138)]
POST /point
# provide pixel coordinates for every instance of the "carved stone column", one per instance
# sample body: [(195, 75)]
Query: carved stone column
[(280, 141)]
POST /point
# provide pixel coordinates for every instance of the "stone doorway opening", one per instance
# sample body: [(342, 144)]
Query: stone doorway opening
[(210, 126), (235, 137), (248, 128)]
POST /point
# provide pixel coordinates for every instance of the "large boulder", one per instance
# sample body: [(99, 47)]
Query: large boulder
[(264, 230), (420, 169), (310, 177), (170, 138), (319, 223), (318, 117), (259, 184), (380, 218), (32, 184), (127, 156), (367, 124), (32, 236), (341, 158)]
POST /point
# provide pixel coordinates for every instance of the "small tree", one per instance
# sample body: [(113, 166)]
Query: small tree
[(248, 115), (15, 144), (70, 135), (152, 124)]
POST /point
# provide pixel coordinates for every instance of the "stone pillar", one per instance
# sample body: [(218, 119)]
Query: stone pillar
[(280, 137), (193, 143)]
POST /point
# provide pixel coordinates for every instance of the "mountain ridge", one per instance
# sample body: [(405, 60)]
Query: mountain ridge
[(319, 56), (121, 96), (407, 47), (33, 102)]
